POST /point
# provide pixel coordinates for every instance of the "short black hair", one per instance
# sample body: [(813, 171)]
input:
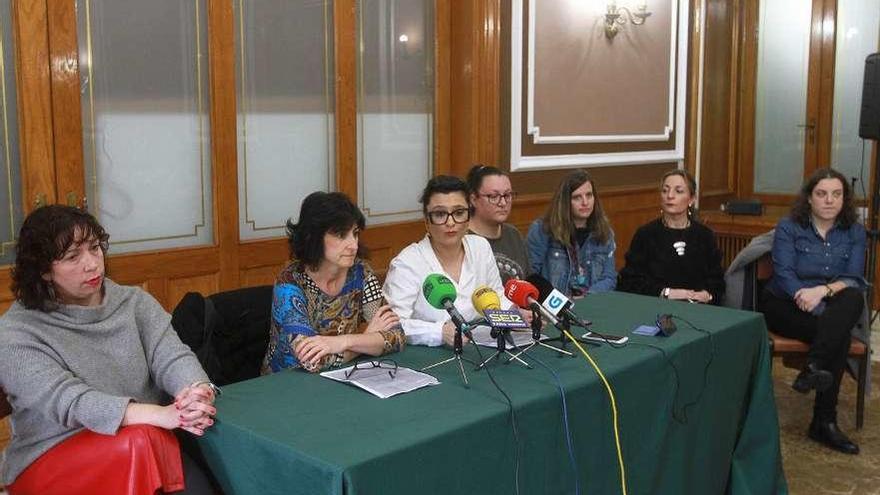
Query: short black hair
[(46, 234), (322, 212), (443, 184), (478, 172)]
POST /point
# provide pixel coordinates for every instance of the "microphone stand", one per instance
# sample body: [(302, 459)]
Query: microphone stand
[(537, 324), (456, 356), (501, 336), (565, 324)]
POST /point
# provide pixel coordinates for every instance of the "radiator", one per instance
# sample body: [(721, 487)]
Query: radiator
[(730, 245)]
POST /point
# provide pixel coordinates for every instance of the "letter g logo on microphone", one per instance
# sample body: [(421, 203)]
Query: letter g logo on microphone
[(556, 302)]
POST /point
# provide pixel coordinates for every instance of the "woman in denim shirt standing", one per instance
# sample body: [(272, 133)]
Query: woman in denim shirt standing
[(815, 294), (573, 245)]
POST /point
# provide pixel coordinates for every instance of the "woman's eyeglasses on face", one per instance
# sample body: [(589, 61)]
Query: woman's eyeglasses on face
[(440, 217), (387, 364), (495, 199)]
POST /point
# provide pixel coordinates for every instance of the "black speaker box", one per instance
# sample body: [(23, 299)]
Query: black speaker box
[(869, 124), (743, 207)]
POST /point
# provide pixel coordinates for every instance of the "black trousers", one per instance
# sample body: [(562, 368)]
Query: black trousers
[(828, 335)]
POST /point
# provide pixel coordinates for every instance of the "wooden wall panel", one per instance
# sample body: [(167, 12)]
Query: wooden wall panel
[(6, 296), (178, 287), (66, 111), (136, 268), (264, 275), (261, 253), (34, 102), (387, 241), (261, 261), (442, 59), (718, 133), (461, 99), (345, 59), (224, 143), (156, 272)]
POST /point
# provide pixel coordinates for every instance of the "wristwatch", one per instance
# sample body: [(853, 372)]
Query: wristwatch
[(665, 293), (210, 385), (829, 292)]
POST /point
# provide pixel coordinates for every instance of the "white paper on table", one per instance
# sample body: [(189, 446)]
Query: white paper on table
[(380, 383)]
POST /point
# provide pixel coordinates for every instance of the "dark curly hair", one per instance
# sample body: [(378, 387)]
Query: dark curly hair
[(801, 209), (46, 234), (320, 213)]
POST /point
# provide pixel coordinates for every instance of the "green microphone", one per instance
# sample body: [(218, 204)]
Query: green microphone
[(440, 293)]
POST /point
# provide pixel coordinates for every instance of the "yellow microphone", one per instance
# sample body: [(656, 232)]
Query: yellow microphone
[(484, 298)]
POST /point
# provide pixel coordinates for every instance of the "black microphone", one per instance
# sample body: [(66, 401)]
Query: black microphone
[(554, 301)]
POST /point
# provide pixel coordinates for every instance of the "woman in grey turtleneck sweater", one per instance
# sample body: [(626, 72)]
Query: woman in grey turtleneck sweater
[(79, 352)]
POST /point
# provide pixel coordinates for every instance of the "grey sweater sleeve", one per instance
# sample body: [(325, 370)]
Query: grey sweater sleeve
[(36, 380), (172, 364)]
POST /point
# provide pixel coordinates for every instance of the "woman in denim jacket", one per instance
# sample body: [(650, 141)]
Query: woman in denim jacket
[(573, 245), (815, 294)]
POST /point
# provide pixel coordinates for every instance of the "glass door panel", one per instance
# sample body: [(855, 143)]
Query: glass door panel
[(781, 126), (10, 195), (395, 106), (858, 25), (145, 119), (284, 65)]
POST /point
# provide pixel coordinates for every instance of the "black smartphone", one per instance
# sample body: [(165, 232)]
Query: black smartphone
[(605, 338)]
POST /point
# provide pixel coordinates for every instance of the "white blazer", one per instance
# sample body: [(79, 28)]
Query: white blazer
[(422, 323)]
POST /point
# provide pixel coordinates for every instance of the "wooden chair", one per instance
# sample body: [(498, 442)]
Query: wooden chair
[(794, 352)]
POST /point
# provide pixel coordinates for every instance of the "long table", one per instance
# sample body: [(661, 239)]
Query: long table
[(700, 419)]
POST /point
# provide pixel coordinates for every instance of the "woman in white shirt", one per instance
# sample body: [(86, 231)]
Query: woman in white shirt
[(446, 249)]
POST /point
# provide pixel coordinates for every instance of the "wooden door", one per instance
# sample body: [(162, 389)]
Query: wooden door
[(787, 95)]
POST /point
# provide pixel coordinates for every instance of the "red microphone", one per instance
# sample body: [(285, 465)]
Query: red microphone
[(523, 294)]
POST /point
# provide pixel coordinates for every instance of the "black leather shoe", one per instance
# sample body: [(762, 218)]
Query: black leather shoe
[(828, 433), (812, 377)]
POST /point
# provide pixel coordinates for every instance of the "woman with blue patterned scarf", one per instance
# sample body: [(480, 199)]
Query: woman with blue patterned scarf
[(327, 305)]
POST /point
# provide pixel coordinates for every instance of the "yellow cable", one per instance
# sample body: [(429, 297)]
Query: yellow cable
[(613, 409)]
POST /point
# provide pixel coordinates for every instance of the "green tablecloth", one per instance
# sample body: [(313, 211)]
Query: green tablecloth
[(297, 433)]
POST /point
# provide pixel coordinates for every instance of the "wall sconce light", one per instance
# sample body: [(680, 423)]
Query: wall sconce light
[(404, 45), (617, 16)]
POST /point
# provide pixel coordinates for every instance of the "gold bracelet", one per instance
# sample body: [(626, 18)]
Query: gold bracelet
[(830, 291)]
